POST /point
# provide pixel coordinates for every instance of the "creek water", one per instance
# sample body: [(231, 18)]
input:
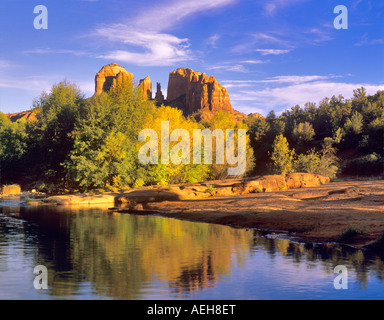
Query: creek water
[(90, 253)]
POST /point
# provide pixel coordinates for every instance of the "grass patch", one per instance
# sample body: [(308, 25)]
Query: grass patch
[(211, 190)]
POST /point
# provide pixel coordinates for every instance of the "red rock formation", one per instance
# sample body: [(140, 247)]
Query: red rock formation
[(26, 115), (146, 86), (159, 95), (193, 91), (104, 78)]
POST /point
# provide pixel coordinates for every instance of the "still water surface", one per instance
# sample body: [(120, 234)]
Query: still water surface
[(92, 254)]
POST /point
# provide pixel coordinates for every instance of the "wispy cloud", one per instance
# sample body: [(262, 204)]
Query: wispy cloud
[(155, 49), (236, 66), (291, 79), (270, 7), (266, 52), (229, 68), (319, 35), (282, 92), (144, 40), (7, 64), (302, 93), (212, 40), (56, 51), (254, 41), (365, 41)]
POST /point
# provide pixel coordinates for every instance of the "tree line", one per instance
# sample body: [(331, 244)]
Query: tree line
[(82, 144)]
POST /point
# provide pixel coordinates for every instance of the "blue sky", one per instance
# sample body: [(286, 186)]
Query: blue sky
[(270, 55)]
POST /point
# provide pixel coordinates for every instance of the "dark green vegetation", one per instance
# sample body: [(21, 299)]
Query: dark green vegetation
[(349, 235), (343, 137), (80, 144)]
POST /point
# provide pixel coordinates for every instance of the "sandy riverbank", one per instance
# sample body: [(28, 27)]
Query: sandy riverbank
[(317, 214), (317, 211)]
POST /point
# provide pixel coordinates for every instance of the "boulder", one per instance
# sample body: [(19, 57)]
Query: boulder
[(83, 199), (11, 189), (305, 180), (272, 183), (154, 195)]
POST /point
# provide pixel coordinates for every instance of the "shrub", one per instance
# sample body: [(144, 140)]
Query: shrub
[(372, 164), (308, 163), (328, 165), (349, 235)]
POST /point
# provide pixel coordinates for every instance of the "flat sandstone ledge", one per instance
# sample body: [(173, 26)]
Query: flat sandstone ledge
[(210, 189)]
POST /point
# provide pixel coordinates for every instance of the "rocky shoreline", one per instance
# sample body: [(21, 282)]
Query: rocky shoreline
[(306, 207)]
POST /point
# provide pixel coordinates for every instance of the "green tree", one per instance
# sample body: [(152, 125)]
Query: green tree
[(303, 133), (105, 138), (50, 139), (162, 174), (354, 124), (13, 148), (282, 157)]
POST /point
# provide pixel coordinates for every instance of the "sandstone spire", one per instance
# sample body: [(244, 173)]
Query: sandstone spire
[(159, 95), (146, 86)]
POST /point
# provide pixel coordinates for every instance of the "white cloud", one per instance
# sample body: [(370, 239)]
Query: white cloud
[(229, 68), (291, 79), (143, 38), (235, 66), (283, 97), (156, 48), (163, 17), (272, 6), (56, 51), (254, 61), (283, 92), (265, 52)]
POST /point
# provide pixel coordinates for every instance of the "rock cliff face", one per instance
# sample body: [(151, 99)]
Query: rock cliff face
[(146, 86), (193, 91), (105, 77), (26, 115)]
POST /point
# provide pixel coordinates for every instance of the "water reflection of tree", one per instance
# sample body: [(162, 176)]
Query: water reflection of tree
[(361, 262), (119, 256)]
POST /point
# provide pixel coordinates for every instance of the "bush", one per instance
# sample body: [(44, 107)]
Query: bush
[(308, 163), (328, 165), (349, 235), (369, 165)]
